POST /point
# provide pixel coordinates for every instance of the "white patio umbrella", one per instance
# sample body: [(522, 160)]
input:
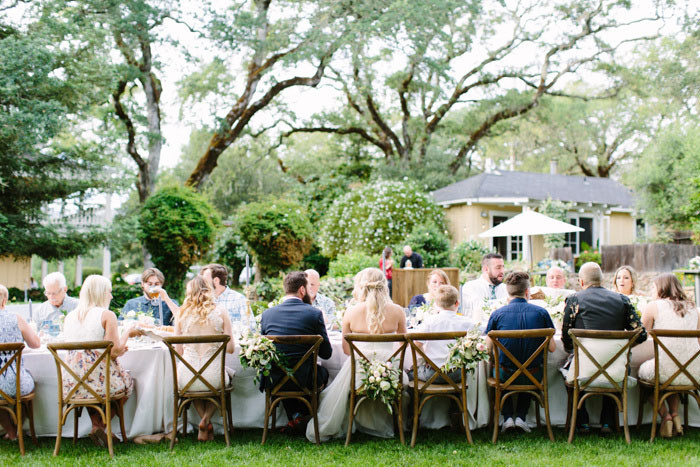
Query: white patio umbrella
[(527, 224)]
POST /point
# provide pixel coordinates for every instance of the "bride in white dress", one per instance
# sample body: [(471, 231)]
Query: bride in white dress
[(199, 316), (373, 313)]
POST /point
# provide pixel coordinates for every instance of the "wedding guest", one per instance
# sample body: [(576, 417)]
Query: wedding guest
[(445, 320), (152, 281), (373, 313), (200, 315), (556, 278), (388, 270), (230, 300), (436, 278), (33, 283), (488, 286), (58, 303), (625, 280), (296, 316), (13, 328), (595, 307), (409, 255), (318, 300), (93, 321), (519, 315), (671, 309)]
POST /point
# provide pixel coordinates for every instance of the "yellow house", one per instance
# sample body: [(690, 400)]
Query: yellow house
[(602, 207), (15, 272)]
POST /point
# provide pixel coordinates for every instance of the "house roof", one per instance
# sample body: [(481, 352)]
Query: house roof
[(507, 186)]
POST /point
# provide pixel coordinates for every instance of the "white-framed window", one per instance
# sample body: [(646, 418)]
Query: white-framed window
[(511, 248), (576, 239)]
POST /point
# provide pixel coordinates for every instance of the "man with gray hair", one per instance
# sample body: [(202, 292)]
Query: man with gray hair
[(318, 300), (58, 303), (596, 307)]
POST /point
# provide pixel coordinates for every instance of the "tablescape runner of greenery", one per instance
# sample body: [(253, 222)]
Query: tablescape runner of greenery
[(466, 352), (260, 353), (380, 381), (694, 263)]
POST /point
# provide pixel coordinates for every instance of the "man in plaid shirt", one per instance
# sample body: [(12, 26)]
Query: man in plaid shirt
[(233, 302)]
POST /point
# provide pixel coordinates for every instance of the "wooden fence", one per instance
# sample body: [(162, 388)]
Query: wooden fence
[(409, 282), (648, 257)]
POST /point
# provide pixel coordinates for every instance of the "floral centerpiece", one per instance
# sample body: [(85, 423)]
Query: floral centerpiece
[(466, 352), (380, 381), (555, 307), (422, 312), (489, 306), (260, 353), (694, 263), (141, 317), (639, 303)]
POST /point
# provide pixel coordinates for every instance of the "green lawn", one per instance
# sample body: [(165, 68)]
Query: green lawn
[(442, 447)]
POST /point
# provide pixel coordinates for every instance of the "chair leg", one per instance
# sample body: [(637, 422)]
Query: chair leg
[(654, 413), (120, 414), (229, 410), (624, 418), (184, 419), (640, 407), (537, 413), (496, 415), (267, 417), (314, 404), (20, 432), (108, 424), (568, 408), (224, 417), (351, 416), (59, 430), (685, 411), (76, 417), (545, 401), (416, 417), (30, 415), (574, 410), (176, 416), (465, 415)]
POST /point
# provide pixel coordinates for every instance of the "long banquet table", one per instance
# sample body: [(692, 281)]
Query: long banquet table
[(149, 409)]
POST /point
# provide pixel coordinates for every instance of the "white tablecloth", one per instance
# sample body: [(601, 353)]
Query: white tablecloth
[(149, 408)]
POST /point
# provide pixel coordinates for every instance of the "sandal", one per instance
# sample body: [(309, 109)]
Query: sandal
[(677, 425), (666, 430)]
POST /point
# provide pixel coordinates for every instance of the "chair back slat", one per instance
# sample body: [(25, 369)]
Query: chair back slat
[(400, 351), (15, 349), (413, 339), (197, 375), (521, 368), (681, 368), (311, 355), (82, 381), (602, 368)]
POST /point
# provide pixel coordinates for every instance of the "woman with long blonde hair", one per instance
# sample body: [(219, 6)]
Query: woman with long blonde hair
[(199, 315), (372, 313), (92, 320)]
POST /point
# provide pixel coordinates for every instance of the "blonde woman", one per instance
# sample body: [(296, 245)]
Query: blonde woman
[(436, 279), (91, 320), (372, 313), (625, 280), (199, 315)]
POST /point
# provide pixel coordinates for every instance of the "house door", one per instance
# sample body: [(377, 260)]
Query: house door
[(508, 247)]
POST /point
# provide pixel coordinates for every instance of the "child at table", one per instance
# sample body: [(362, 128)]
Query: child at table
[(13, 328)]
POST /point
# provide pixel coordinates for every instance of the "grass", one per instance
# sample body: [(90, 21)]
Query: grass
[(443, 447)]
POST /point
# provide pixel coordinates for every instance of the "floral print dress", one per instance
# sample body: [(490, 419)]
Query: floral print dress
[(10, 333), (90, 329)]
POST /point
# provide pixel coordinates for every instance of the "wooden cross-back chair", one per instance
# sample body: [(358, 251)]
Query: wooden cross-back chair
[(71, 402), (182, 398), (423, 391), (309, 396), (663, 391), (537, 388), (14, 405), (356, 398), (617, 390)]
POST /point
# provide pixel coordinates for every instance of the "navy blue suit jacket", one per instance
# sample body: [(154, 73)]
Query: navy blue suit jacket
[(294, 317)]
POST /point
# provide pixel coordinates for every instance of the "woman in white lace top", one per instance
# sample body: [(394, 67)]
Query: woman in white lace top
[(671, 309), (199, 316)]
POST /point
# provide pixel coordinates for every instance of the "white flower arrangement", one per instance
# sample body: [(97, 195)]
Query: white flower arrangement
[(466, 352), (489, 306), (639, 303), (694, 263), (260, 353), (422, 312), (555, 306), (380, 381)]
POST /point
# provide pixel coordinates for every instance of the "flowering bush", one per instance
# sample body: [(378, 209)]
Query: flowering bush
[(467, 255), (694, 263), (260, 353), (380, 381), (349, 264), (338, 289), (466, 352), (587, 256), (375, 215)]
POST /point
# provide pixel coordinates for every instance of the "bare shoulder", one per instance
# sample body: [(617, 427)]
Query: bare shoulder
[(394, 309)]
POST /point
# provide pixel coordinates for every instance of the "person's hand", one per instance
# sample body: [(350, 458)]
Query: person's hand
[(163, 294), (135, 332)]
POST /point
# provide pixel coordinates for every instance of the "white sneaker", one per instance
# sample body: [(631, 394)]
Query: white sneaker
[(522, 424), (507, 425)]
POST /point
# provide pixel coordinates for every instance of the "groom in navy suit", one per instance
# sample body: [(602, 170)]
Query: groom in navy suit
[(296, 316)]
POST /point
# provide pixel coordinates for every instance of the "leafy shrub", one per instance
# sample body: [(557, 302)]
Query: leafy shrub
[(556, 210), (349, 264), (433, 245), (467, 255), (17, 295), (375, 215), (316, 260), (177, 225), (230, 250), (270, 288), (122, 293), (588, 256), (278, 233), (338, 289)]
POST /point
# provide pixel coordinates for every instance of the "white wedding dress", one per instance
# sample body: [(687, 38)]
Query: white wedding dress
[(372, 416)]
